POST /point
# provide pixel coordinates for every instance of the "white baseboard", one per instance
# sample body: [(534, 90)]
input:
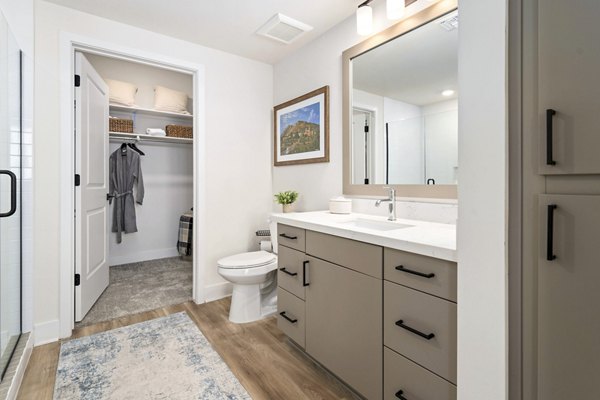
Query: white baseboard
[(46, 332), (217, 291), (15, 385), (143, 256)]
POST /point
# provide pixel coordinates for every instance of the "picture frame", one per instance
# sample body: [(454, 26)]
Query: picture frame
[(301, 129)]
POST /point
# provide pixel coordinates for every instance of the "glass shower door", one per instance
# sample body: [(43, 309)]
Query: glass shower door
[(10, 195)]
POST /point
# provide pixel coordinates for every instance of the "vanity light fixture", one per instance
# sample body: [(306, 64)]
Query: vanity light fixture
[(447, 92), (364, 14), (364, 19)]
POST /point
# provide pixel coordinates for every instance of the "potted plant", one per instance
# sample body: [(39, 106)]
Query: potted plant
[(287, 199)]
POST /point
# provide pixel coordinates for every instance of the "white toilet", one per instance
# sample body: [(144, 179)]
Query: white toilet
[(254, 279)]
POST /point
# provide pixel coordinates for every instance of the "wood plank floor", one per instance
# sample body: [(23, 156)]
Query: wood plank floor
[(267, 365)]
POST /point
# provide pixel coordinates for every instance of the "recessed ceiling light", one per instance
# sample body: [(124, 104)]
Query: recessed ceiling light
[(448, 92)]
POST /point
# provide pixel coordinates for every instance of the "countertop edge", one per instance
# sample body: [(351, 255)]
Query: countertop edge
[(393, 243)]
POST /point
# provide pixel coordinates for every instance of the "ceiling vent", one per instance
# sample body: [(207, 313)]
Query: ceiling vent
[(450, 24), (283, 29)]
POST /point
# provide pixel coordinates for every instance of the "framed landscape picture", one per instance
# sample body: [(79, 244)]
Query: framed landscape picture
[(302, 129)]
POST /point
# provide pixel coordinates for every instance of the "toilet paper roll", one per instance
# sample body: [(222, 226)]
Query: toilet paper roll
[(265, 245)]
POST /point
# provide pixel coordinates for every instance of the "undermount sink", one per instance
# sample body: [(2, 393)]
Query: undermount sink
[(375, 225)]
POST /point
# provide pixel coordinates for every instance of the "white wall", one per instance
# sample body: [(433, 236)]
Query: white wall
[(238, 130), (482, 194), (317, 64), (19, 15)]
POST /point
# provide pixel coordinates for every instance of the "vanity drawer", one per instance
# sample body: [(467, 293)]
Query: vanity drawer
[(290, 270), (291, 236), (292, 321), (427, 274), (409, 315), (359, 256), (415, 382)]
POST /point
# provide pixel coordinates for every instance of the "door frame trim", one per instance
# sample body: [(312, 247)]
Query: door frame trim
[(68, 44)]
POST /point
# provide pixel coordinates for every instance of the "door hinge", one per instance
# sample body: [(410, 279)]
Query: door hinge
[(366, 128), (77, 180), (77, 81), (77, 279)]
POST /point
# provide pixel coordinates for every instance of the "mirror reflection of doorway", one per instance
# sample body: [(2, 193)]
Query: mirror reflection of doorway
[(362, 144)]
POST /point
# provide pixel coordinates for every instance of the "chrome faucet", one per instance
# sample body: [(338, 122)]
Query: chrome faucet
[(392, 205)]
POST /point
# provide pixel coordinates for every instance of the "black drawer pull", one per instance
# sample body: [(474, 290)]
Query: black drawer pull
[(416, 332), (399, 394), (293, 321), (550, 113), (410, 271), (304, 281), (550, 233), (283, 235), (285, 271)]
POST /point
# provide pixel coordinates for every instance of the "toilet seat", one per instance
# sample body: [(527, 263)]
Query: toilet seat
[(253, 259)]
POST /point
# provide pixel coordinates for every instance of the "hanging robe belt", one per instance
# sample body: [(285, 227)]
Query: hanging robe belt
[(118, 211)]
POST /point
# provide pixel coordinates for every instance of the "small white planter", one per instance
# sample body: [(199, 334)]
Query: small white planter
[(287, 208)]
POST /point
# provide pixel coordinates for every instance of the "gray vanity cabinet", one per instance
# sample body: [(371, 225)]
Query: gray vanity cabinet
[(568, 65), (568, 297), (343, 324), (334, 303)]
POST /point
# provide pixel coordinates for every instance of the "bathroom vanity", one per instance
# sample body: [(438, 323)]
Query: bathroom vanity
[(371, 300)]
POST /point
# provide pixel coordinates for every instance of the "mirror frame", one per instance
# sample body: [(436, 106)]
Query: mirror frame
[(403, 27)]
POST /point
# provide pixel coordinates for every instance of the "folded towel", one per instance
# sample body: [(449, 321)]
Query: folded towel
[(156, 132)]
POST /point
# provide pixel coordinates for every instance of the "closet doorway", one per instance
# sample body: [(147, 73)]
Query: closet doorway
[(134, 187)]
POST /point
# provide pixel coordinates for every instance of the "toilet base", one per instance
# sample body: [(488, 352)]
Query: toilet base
[(246, 305)]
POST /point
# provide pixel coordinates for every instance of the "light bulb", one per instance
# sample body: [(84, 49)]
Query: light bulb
[(364, 20), (395, 9), (447, 92)]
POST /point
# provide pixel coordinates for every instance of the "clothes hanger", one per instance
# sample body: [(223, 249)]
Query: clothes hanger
[(135, 148)]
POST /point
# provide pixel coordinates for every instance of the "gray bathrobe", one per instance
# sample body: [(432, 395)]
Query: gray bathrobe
[(125, 170)]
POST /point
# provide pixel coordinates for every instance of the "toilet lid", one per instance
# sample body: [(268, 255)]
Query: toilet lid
[(247, 260)]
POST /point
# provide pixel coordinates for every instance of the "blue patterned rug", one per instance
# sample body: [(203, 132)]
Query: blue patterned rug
[(164, 358)]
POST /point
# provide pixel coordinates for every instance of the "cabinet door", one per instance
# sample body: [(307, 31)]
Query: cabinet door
[(343, 325), (568, 63), (568, 298)]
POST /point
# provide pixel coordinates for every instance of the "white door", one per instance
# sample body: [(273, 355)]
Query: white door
[(91, 158)]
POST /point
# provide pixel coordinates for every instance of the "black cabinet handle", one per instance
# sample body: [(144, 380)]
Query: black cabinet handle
[(283, 235), (431, 180), (399, 394), (550, 113), (13, 193), (285, 271), (293, 321), (304, 282), (410, 271), (427, 336), (550, 233)]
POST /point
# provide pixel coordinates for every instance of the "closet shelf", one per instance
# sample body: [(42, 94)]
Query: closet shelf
[(149, 138), (149, 111)]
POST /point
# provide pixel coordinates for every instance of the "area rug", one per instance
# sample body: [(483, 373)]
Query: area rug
[(164, 358)]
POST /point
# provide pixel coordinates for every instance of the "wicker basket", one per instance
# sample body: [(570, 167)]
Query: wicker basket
[(179, 131), (120, 125)]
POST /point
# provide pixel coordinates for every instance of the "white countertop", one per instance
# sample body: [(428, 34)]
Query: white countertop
[(425, 238)]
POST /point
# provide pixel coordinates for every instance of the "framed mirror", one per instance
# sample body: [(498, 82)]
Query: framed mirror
[(401, 108)]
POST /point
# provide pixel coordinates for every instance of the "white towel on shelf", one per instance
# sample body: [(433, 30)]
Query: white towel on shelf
[(156, 132)]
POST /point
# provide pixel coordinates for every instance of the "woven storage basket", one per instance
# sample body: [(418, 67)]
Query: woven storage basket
[(120, 125), (179, 131)]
